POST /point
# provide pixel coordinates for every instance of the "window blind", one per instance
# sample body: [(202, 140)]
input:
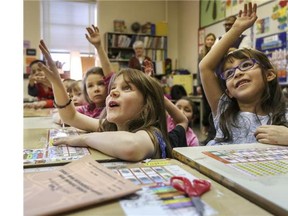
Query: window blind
[(64, 25)]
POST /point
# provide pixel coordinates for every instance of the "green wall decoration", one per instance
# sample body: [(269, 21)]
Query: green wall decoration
[(211, 11)]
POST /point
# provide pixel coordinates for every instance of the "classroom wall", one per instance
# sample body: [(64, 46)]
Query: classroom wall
[(182, 18), (263, 11)]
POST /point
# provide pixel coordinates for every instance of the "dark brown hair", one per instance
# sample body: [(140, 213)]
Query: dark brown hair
[(152, 117), (272, 100)]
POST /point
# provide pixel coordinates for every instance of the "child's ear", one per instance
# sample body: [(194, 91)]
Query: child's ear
[(270, 75), (228, 93)]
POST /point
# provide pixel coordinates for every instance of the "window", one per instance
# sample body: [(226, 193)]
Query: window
[(64, 26)]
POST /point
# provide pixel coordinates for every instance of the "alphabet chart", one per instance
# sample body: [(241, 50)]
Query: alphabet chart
[(54, 154), (270, 161)]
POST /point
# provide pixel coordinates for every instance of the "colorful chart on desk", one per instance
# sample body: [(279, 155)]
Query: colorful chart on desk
[(157, 195), (161, 199), (54, 154), (270, 161)]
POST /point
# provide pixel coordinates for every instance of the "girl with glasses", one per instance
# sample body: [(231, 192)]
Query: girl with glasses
[(246, 94)]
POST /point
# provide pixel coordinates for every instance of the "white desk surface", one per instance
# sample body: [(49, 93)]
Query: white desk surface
[(269, 192)]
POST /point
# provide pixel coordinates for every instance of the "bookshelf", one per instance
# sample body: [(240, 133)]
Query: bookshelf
[(119, 47)]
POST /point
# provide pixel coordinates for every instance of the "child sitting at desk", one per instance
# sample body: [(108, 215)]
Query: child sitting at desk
[(189, 109), (39, 87), (135, 124), (75, 92), (68, 82), (252, 95)]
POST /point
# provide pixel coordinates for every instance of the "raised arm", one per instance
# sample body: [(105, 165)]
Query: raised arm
[(177, 115), (95, 39), (209, 63), (68, 113)]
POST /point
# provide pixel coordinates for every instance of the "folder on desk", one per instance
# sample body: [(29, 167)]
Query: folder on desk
[(76, 185)]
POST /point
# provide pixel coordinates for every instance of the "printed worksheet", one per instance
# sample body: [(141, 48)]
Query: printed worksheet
[(270, 161), (55, 154)]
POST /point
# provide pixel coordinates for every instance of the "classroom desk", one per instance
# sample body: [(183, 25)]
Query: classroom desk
[(35, 133), (251, 178), (27, 112), (36, 138), (221, 199), (39, 118)]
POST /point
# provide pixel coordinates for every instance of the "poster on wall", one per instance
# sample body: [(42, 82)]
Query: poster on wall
[(280, 13), (234, 6), (211, 11), (275, 47)]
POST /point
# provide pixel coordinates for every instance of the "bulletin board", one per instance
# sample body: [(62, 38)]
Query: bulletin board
[(211, 11)]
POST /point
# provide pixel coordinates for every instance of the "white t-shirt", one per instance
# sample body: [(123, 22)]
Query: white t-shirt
[(247, 123)]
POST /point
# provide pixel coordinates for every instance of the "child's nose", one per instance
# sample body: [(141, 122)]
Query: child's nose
[(114, 93), (238, 73)]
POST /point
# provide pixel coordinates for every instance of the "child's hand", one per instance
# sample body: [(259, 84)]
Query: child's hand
[(246, 17), (94, 36), (75, 140), (51, 73), (272, 134), (148, 67)]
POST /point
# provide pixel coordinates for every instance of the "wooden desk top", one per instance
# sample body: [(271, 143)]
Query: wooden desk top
[(258, 177), (37, 112), (221, 199)]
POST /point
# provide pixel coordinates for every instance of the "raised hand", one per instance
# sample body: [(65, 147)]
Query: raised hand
[(246, 17), (51, 73), (148, 67), (94, 35)]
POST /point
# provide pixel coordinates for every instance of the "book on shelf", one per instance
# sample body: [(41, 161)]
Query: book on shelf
[(79, 184), (50, 154), (159, 65)]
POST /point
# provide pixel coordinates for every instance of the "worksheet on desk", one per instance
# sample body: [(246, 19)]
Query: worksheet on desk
[(256, 171), (50, 154), (157, 195)]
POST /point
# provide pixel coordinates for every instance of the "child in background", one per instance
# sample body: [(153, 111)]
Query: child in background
[(251, 95), (75, 92), (177, 135), (67, 83), (135, 125), (207, 121), (39, 87), (94, 91), (189, 109), (96, 79)]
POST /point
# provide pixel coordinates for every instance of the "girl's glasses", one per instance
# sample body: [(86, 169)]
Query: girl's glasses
[(243, 66)]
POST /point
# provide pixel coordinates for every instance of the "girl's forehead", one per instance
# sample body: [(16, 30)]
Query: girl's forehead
[(232, 61), (183, 102), (95, 77), (121, 79)]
